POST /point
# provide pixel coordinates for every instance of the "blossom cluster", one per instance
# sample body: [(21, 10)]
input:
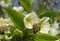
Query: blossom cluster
[(45, 26), (19, 8), (4, 4), (5, 22)]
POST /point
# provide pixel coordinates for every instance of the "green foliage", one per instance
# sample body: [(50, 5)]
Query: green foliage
[(41, 8), (17, 36), (6, 1), (45, 36), (27, 34), (1, 37), (49, 13), (17, 18), (31, 1), (1, 12), (26, 4)]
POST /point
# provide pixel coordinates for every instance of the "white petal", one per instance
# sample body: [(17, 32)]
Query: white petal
[(30, 19), (45, 27), (21, 8), (54, 31), (44, 19), (15, 8), (5, 22)]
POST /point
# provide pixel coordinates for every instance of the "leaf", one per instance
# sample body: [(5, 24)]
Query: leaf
[(31, 1), (26, 4), (17, 36), (6, 1), (16, 17), (41, 7), (1, 37), (42, 36), (2, 13), (43, 40), (49, 13)]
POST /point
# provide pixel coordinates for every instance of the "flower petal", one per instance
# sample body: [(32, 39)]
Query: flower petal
[(30, 19)]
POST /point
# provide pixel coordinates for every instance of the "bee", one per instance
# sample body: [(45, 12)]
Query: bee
[(36, 28)]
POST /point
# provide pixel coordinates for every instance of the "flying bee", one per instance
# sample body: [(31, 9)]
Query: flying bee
[(36, 28)]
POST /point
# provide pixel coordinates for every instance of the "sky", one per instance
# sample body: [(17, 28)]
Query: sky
[(15, 2)]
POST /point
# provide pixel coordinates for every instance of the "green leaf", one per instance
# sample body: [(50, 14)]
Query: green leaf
[(16, 17), (26, 4), (1, 37), (45, 37), (43, 40), (49, 13), (17, 36), (2, 13), (6, 1), (41, 7), (31, 1)]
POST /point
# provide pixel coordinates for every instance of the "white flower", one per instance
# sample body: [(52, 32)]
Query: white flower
[(7, 37), (5, 22), (45, 26), (8, 22), (20, 8), (15, 8), (54, 29), (2, 21), (3, 4), (30, 19)]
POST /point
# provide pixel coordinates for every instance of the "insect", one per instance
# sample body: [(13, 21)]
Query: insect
[(36, 28)]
